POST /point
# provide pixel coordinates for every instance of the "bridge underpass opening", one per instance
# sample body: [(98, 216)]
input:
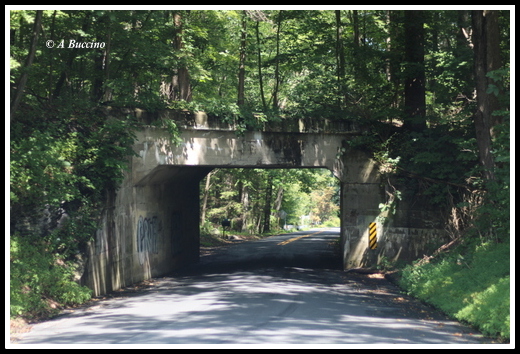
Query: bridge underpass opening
[(151, 224), (242, 204), (165, 177)]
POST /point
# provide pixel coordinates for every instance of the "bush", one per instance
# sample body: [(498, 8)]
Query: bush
[(333, 221), (64, 161), (41, 282), (473, 288)]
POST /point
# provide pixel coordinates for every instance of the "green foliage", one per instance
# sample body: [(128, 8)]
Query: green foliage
[(471, 284), (62, 162), (41, 280), (241, 195), (68, 161), (345, 65), (40, 172), (172, 128), (493, 216), (333, 221)]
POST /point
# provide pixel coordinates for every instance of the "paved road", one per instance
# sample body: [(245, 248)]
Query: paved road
[(280, 290)]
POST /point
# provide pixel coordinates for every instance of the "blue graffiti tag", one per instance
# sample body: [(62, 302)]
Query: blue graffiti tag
[(148, 231)]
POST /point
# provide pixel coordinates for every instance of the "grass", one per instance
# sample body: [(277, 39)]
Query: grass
[(41, 283), (471, 284)]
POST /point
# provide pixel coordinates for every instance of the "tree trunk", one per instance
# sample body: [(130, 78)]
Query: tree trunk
[(278, 203), (261, 81), (279, 199), (355, 23), (464, 44), (463, 35), (97, 85), (493, 62), (242, 62), (107, 92), (277, 65), (244, 199), (205, 196), (102, 59), (340, 55), (356, 40), (73, 53), (179, 87), (388, 64), (267, 205), (414, 92), (394, 59), (51, 57), (486, 51), (32, 52)]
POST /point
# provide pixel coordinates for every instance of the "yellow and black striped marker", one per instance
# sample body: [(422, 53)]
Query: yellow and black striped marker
[(372, 235)]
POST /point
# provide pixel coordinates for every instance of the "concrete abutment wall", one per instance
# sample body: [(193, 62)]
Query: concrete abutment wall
[(150, 226)]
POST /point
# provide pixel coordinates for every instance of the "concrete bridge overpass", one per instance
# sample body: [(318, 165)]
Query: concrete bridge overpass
[(150, 225)]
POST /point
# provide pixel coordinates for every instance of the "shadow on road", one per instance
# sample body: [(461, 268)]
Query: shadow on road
[(265, 292)]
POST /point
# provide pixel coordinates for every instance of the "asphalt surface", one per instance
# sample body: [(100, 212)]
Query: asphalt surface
[(280, 291)]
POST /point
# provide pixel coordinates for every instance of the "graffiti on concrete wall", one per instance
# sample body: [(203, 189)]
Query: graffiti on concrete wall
[(148, 232)]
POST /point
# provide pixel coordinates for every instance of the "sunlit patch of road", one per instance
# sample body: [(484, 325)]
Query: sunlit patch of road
[(271, 301)]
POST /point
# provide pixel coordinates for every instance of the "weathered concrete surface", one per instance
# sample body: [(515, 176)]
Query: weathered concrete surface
[(150, 230), (226, 149), (151, 224)]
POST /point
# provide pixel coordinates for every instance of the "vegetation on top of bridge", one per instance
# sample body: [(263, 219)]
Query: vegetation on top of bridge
[(439, 78), (184, 119)]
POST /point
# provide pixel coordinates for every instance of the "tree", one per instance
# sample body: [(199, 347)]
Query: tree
[(340, 55), (267, 205), (414, 92), (259, 64), (242, 61), (487, 59), (30, 58), (253, 198), (179, 88)]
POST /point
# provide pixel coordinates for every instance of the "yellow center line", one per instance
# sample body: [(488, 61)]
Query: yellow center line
[(283, 243)]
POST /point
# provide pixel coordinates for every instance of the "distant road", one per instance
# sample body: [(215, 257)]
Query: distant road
[(313, 248), (281, 290)]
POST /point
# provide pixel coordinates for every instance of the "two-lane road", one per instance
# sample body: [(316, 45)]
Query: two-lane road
[(314, 249), (280, 290)]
